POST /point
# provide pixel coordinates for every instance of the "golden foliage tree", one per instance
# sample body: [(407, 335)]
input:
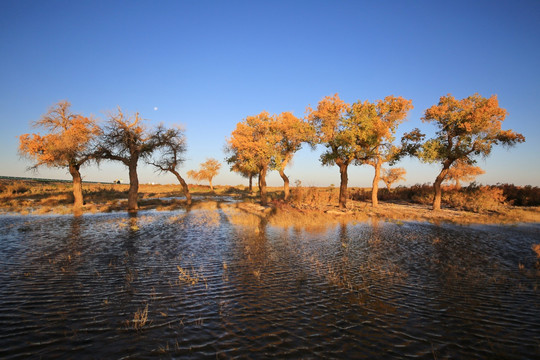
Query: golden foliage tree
[(66, 145), (339, 133), (290, 132), (377, 124), (462, 171), (467, 128), (171, 144), (193, 174), (392, 175), (126, 140), (253, 142), (209, 169), (245, 168)]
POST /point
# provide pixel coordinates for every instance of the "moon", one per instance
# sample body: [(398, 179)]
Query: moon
[(155, 108)]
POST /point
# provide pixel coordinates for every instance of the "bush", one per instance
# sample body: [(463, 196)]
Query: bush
[(472, 198), (360, 194), (521, 195), (421, 194), (313, 197), (475, 198), (17, 189)]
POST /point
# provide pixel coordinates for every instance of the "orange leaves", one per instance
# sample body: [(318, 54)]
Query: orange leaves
[(472, 114), (470, 126), (67, 139), (357, 132), (254, 140), (208, 170), (378, 121), (467, 128), (393, 175), (290, 132), (327, 117), (266, 142), (463, 171)]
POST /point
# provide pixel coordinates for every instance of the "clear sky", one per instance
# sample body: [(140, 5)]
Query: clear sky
[(209, 64)]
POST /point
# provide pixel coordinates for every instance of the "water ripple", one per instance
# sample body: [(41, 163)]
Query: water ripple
[(76, 287)]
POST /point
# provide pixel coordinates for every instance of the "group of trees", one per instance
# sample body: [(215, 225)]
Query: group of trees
[(266, 142), (358, 134), (73, 140), (364, 133)]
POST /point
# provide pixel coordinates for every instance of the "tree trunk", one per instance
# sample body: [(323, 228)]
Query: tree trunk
[(262, 184), (77, 187), (133, 186), (250, 183), (343, 185), (285, 185), (285, 178), (210, 182), (437, 188), (375, 185), (184, 186), (259, 181)]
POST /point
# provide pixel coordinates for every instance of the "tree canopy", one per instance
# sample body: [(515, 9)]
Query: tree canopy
[(462, 171), (377, 123), (467, 129), (253, 143), (66, 144), (392, 175), (291, 132), (125, 139), (337, 133), (208, 170), (171, 144)]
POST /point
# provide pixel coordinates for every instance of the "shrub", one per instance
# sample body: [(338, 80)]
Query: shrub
[(475, 198), (18, 188), (521, 195), (312, 196), (360, 194)]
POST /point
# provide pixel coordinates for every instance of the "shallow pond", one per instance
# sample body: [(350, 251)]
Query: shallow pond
[(205, 283)]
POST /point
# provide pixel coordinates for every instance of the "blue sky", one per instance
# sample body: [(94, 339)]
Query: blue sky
[(209, 64)]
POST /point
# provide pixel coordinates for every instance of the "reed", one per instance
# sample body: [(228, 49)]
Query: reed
[(140, 318), (184, 276), (536, 249)]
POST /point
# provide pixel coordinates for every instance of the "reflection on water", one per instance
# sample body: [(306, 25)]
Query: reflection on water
[(217, 282)]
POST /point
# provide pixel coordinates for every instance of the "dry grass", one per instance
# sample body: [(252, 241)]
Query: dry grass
[(536, 249), (284, 215), (310, 208), (185, 276), (140, 318)]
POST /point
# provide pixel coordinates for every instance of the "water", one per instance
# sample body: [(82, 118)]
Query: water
[(215, 286)]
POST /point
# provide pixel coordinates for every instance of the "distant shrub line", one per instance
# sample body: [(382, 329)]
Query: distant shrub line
[(475, 197)]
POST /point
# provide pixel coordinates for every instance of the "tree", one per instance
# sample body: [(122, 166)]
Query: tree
[(245, 168), (172, 143), (254, 142), (467, 128), (209, 169), (392, 175), (377, 123), (193, 174), (65, 146), (291, 132), (335, 130), (461, 171), (126, 140)]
